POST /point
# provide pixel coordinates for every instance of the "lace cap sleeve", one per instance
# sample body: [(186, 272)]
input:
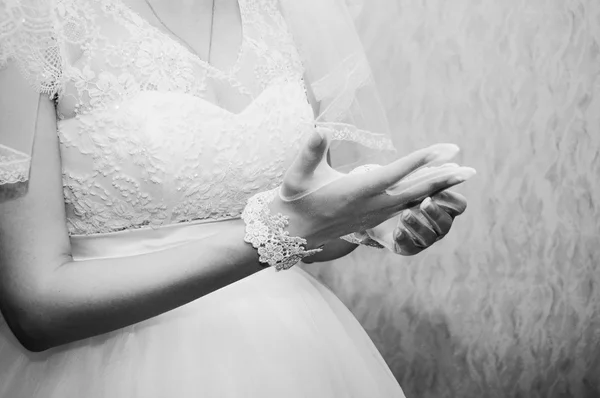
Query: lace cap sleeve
[(27, 38)]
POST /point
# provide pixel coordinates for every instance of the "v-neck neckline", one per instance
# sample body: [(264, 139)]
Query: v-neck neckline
[(189, 51)]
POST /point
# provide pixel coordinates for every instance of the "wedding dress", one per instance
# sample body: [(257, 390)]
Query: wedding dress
[(150, 162)]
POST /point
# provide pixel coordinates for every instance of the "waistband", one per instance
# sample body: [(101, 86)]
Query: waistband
[(146, 240)]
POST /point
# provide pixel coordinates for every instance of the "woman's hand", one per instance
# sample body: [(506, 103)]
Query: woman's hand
[(419, 228), (323, 204), (422, 226)]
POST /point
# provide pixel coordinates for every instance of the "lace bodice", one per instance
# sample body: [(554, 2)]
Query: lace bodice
[(141, 142)]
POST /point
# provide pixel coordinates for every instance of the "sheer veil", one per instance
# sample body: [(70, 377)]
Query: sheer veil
[(347, 48)]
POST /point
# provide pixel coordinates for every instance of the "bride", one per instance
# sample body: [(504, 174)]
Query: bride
[(146, 149)]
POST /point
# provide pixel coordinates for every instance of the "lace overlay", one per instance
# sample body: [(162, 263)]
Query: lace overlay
[(151, 134), (22, 24), (143, 142), (266, 232), (17, 163), (28, 34)]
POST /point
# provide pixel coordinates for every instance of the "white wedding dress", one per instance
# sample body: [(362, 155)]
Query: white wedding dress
[(149, 162)]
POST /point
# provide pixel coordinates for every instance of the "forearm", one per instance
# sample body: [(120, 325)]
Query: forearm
[(86, 298)]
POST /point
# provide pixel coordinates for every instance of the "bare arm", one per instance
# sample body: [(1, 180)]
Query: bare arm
[(48, 299)]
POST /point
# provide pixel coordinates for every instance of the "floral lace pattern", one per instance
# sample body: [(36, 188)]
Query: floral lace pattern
[(17, 165), (150, 133), (143, 143), (266, 232)]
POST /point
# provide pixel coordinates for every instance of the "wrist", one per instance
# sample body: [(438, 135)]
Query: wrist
[(266, 230), (297, 224)]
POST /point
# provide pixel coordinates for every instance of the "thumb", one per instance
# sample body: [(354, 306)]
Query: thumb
[(312, 153)]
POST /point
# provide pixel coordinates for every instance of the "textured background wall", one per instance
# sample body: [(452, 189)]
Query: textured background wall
[(508, 305)]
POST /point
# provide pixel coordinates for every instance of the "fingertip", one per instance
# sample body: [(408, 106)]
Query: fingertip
[(428, 208), (425, 203), (458, 177), (442, 152), (453, 210), (453, 148), (467, 173), (399, 233)]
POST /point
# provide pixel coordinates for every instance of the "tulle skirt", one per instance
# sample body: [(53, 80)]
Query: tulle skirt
[(274, 334)]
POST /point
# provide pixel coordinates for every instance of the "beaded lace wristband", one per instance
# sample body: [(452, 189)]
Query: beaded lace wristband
[(266, 233)]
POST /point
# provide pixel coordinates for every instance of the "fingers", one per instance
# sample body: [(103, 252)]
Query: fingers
[(414, 191), (438, 218), (451, 202), (384, 177), (404, 242), (312, 153), (420, 228), (420, 232), (420, 173)]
